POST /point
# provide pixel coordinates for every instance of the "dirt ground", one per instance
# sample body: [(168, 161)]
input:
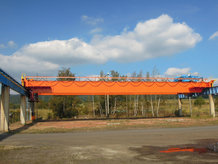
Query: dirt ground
[(126, 141), (71, 125)]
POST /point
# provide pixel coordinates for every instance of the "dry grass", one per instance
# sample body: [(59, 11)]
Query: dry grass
[(43, 113)]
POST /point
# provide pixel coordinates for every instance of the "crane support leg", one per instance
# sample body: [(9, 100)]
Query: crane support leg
[(23, 110), (180, 107), (212, 106), (32, 107), (5, 97)]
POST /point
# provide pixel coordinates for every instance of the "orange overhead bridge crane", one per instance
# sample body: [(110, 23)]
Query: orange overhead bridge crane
[(107, 86)]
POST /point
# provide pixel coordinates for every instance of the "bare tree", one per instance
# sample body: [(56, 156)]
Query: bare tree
[(93, 105), (152, 107), (107, 109), (135, 106), (115, 105), (155, 73), (158, 105), (108, 106), (127, 109), (142, 108), (190, 105)]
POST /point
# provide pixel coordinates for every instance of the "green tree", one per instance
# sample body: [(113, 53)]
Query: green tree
[(199, 101), (42, 104), (65, 72), (65, 106), (134, 74), (102, 75), (114, 74), (147, 76), (140, 74)]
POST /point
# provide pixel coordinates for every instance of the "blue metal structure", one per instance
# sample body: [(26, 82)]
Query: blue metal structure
[(213, 91), (188, 78), (9, 81), (207, 91)]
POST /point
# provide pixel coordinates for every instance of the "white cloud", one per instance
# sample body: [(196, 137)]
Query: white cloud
[(96, 30), (91, 20), (62, 52), (214, 35), (172, 72), (91, 78), (16, 65), (150, 39), (2, 46), (195, 74), (11, 44)]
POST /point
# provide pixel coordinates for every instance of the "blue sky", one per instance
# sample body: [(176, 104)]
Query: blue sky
[(39, 37)]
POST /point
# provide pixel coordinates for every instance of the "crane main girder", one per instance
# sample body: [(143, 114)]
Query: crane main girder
[(114, 87)]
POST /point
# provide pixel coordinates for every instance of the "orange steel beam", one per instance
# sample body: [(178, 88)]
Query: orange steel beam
[(43, 87)]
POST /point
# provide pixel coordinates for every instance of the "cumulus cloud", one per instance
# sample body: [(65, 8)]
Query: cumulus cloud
[(172, 72), (16, 65), (214, 35), (62, 52), (91, 20), (150, 39)]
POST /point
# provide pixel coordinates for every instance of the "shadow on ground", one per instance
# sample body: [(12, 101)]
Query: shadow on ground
[(5, 135)]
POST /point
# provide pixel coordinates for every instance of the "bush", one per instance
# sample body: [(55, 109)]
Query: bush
[(14, 116), (69, 113), (199, 101), (49, 117), (64, 106), (119, 113)]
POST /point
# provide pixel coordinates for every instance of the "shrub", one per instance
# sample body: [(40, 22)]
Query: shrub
[(199, 101), (49, 116), (64, 106), (14, 116)]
